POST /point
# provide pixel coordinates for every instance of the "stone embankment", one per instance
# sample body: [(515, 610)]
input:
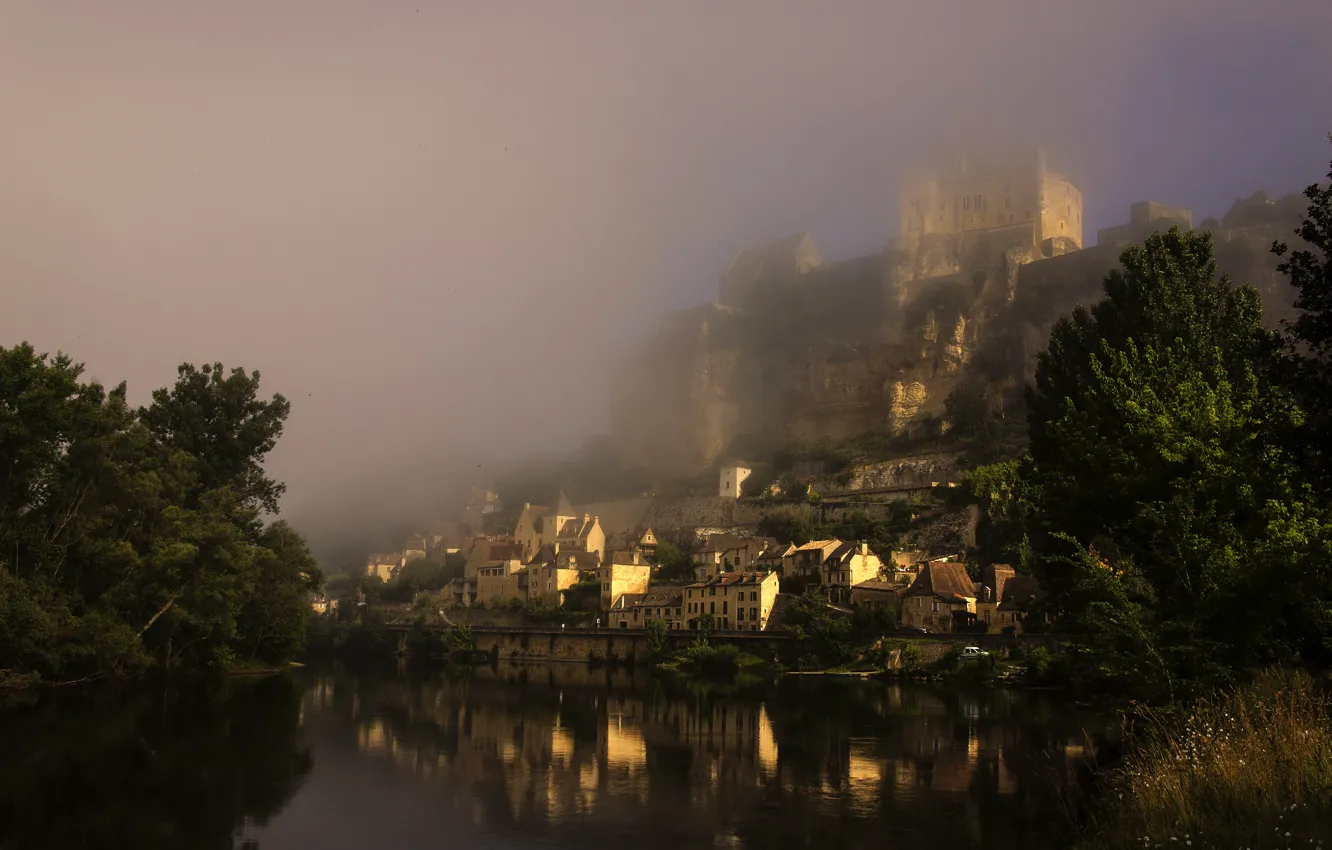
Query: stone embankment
[(631, 645)]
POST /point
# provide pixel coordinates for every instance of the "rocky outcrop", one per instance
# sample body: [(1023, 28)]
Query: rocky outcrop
[(921, 471), (878, 343)]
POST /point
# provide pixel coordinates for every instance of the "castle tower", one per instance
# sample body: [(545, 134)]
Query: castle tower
[(965, 193)]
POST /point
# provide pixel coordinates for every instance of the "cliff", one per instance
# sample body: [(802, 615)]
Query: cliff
[(876, 344)]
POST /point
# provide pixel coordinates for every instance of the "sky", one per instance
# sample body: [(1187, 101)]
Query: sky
[(436, 226)]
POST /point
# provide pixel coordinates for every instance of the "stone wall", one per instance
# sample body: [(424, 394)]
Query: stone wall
[(618, 645)]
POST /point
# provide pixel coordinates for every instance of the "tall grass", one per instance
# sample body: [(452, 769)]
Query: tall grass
[(1251, 767)]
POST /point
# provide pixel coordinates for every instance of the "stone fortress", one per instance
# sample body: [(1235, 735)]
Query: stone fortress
[(988, 254)]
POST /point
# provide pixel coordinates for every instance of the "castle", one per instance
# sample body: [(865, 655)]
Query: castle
[(987, 254)]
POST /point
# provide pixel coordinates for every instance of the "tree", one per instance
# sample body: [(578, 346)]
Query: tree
[(221, 422), (272, 620), (672, 563), (137, 536), (1165, 496), (1310, 273)]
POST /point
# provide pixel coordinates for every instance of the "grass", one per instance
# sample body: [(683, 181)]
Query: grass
[(1251, 767)]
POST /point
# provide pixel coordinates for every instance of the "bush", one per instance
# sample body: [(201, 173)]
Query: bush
[(710, 661), (656, 638), (911, 657), (1247, 768)]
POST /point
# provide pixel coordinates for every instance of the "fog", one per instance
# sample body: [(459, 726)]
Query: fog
[(435, 227)]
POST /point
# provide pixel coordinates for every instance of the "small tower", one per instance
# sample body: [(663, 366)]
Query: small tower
[(732, 476)]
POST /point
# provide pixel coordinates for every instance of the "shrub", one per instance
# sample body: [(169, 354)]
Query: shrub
[(710, 661), (911, 657), (656, 638)]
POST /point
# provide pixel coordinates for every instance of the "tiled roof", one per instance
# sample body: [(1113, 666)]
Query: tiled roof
[(817, 544), (843, 553), (562, 507), (732, 578), (663, 597), (724, 543), (996, 577), (944, 580), (625, 601), (878, 584)]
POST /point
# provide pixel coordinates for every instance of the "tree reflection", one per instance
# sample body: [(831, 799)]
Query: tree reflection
[(184, 768)]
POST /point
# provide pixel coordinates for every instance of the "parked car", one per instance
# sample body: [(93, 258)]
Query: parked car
[(913, 630), (973, 652)]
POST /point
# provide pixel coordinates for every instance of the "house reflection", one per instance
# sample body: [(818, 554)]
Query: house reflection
[(517, 748)]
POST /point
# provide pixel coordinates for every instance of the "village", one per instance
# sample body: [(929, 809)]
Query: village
[(735, 580)]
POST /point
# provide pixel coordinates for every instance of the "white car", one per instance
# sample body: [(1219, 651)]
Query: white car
[(973, 652)]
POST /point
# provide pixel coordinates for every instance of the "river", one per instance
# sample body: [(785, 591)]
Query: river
[(550, 756)]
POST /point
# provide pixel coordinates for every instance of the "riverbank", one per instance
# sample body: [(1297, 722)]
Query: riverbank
[(1251, 767)]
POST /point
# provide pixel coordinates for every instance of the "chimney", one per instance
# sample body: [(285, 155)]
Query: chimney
[(586, 517), (527, 506), (864, 548), (596, 520)]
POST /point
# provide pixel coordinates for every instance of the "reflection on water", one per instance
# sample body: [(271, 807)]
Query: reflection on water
[(182, 768), (535, 756), (565, 755)]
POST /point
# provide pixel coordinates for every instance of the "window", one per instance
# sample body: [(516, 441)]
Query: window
[(966, 203), (1008, 203), (753, 614), (739, 613), (723, 606), (979, 202)]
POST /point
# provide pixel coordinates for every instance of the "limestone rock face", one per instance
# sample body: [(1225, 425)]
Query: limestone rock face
[(878, 343), (905, 401)]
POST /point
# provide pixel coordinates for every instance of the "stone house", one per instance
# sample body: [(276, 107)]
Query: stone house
[(879, 593), (383, 565), (415, 549), (941, 596), (584, 534), (723, 553), (487, 549), (770, 560), (623, 573), (527, 528), (993, 580), (636, 610), (737, 600), (1019, 593), (848, 565), (642, 538), (538, 526), (553, 570), (806, 561), (499, 582)]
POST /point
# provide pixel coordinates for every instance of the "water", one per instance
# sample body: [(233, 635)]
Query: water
[(549, 756)]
